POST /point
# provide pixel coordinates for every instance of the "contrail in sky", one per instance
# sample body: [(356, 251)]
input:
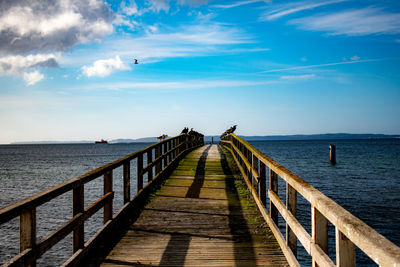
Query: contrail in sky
[(324, 65)]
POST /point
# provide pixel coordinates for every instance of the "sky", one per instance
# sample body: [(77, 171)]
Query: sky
[(67, 69)]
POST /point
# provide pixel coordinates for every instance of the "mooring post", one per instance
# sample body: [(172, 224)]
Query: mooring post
[(332, 154)]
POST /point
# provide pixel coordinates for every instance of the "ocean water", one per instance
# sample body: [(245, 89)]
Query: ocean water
[(29, 169), (365, 181)]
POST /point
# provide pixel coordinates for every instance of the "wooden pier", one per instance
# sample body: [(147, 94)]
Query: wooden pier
[(198, 205), (202, 216)]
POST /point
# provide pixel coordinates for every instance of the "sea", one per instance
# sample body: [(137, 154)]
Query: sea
[(365, 181)]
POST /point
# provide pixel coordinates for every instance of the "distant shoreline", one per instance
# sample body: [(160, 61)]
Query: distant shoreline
[(297, 137)]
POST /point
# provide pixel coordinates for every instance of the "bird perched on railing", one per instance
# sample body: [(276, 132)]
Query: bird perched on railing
[(192, 132), (185, 130), (162, 137), (229, 131)]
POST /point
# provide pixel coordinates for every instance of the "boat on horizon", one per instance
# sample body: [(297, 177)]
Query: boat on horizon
[(102, 141)]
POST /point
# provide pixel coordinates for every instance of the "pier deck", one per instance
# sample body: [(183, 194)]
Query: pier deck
[(202, 216)]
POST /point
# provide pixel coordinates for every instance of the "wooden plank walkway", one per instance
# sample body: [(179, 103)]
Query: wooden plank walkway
[(202, 216)]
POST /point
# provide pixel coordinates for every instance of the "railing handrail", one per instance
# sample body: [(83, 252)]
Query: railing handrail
[(166, 152), (377, 247)]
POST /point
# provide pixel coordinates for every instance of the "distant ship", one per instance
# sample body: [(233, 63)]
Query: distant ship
[(101, 142)]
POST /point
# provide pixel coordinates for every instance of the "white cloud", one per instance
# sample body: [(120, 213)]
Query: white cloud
[(352, 22), (13, 65), (158, 5), (355, 58), (104, 67), (298, 77), (32, 77), (16, 66), (152, 28), (295, 7), (130, 8)]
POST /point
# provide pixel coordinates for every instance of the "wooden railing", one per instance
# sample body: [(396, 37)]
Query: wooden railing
[(165, 153), (349, 230)]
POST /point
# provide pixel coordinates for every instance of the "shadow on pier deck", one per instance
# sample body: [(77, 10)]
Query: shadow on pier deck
[(202, 216)]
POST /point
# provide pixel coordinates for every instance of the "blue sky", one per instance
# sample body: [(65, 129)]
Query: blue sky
[(271, 67)]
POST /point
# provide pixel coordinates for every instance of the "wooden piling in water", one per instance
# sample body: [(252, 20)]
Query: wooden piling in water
[(332, 154)]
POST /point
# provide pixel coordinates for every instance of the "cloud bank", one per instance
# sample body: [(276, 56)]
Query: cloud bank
[(51, 25), (32, 31)]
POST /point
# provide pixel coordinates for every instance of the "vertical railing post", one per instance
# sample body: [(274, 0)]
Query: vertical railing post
[(246, 158), (250, 161), (255, 167), (262, 184), (127, 181), (173, 146), (108, 187), (78, 206), (149, 160), (165, 154), (169, 155), (345, 251), (244, 155), (157, 155), (27, 232), (291, 205), (319, 231), (273, 186), (139, 169)]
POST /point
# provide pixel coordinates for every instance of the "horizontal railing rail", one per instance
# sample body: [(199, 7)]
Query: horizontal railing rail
[(349, 230), (165, 154)]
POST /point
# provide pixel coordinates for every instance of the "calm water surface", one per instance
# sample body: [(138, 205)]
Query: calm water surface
[(29, 169), (365, 181)]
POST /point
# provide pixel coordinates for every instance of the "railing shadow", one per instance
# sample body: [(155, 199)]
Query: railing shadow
[(195, 188), (237, 222)]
